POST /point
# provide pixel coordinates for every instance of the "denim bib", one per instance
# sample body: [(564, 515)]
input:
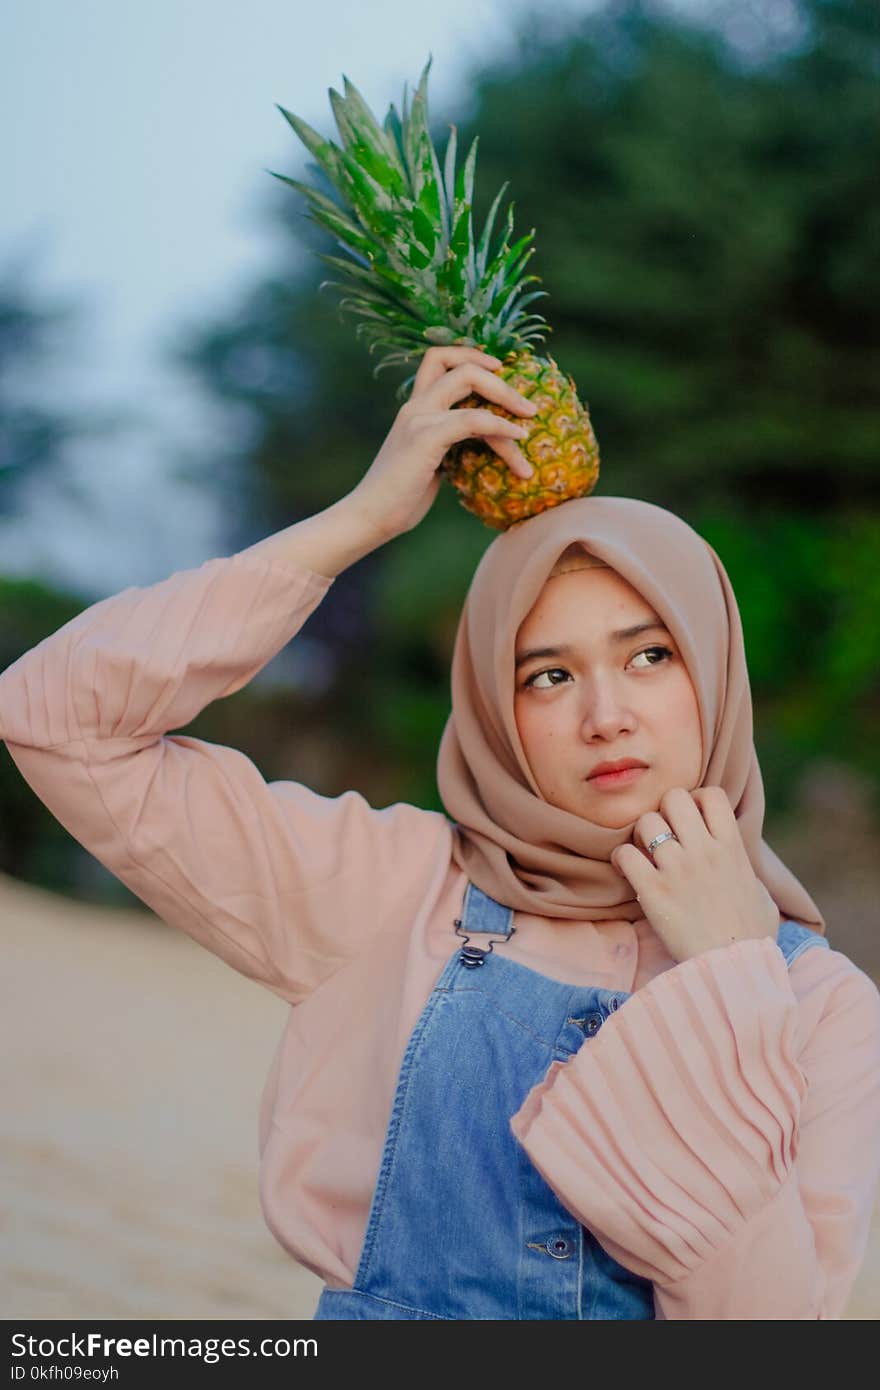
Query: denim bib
[(462, 1225)]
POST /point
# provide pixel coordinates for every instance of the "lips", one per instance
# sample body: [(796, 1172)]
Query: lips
[(619, 766)]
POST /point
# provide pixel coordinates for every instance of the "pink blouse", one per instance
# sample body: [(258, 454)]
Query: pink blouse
[(720, 1135)]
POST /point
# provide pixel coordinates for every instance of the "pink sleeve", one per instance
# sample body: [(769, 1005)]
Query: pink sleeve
[(282, 883), (712, 1149)]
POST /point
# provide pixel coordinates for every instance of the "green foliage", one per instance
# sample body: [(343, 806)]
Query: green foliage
[(30, 434), (34, 434), (808, 594), (707, 231), (29, 611), (32, 843)]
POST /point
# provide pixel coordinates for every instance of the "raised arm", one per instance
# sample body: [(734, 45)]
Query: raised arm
[(282, 883), (271, 877)]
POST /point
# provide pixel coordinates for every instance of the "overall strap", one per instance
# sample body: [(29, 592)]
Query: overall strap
[(480, 913)]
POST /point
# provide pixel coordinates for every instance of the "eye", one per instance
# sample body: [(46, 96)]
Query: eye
[(665, 654), (661, 653), (552, 671)]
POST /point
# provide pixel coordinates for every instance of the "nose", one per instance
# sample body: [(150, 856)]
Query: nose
[(605, 714)]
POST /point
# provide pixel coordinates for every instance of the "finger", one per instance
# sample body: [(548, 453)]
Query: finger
[(680, 810), (635, 866), (472, 423), (647, 828), (438, 360), (509, 451), (468, 378), (717, 812)]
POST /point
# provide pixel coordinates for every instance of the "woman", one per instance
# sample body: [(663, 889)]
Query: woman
[(578, 1049)]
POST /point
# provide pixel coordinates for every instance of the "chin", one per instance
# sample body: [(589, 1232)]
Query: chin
[(617, 811)]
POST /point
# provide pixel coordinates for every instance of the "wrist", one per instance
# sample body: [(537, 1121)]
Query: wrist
[(725, 942), (326, 543), (371, 519)]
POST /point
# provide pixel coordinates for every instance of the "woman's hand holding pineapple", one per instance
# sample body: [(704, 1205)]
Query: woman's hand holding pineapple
[(400, 486), (422, 275), (402, 481)]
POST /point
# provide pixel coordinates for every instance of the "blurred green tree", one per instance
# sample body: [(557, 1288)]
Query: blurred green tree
[(36, 332), (707, 227), (32, 433)]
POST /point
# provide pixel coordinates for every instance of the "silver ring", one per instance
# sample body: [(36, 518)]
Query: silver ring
[(658, 839)]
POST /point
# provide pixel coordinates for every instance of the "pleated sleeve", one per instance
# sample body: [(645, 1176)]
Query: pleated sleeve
[(721, 1140), (282, 883)]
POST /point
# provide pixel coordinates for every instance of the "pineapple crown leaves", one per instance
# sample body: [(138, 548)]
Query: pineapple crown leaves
[(414, 273)]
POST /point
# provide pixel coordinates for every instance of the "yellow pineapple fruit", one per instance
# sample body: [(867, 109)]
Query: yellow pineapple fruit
[(417, 278)]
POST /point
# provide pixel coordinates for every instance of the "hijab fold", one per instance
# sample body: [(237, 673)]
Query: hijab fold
[(515, 845)]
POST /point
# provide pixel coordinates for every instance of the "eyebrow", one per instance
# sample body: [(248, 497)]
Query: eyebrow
[(624, 634)]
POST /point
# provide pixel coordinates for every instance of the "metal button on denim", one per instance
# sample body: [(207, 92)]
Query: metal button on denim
[(592, 1023), (614, 1004), (560, 1247)]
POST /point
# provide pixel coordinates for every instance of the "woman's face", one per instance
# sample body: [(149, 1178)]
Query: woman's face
[(587, 696)]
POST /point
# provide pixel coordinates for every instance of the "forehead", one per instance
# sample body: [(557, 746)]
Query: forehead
[(593, 598)]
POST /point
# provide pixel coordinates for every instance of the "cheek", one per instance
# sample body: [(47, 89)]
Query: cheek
[(686, 720), (523, 723), (535, 729)]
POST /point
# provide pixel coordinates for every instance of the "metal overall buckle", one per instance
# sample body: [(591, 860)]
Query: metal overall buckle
[(472, 956)]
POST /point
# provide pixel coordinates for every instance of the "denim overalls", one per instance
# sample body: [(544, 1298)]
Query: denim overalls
[(461, 1224)]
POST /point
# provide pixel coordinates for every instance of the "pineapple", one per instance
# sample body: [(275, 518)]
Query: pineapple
[(417, 278)]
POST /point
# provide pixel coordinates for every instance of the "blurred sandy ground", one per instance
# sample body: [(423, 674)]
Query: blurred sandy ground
[(132, 1067)]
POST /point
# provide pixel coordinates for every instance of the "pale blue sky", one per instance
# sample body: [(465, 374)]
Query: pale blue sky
[(133, 172)]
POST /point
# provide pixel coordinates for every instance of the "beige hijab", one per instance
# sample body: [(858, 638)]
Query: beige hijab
[(515, 845)]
